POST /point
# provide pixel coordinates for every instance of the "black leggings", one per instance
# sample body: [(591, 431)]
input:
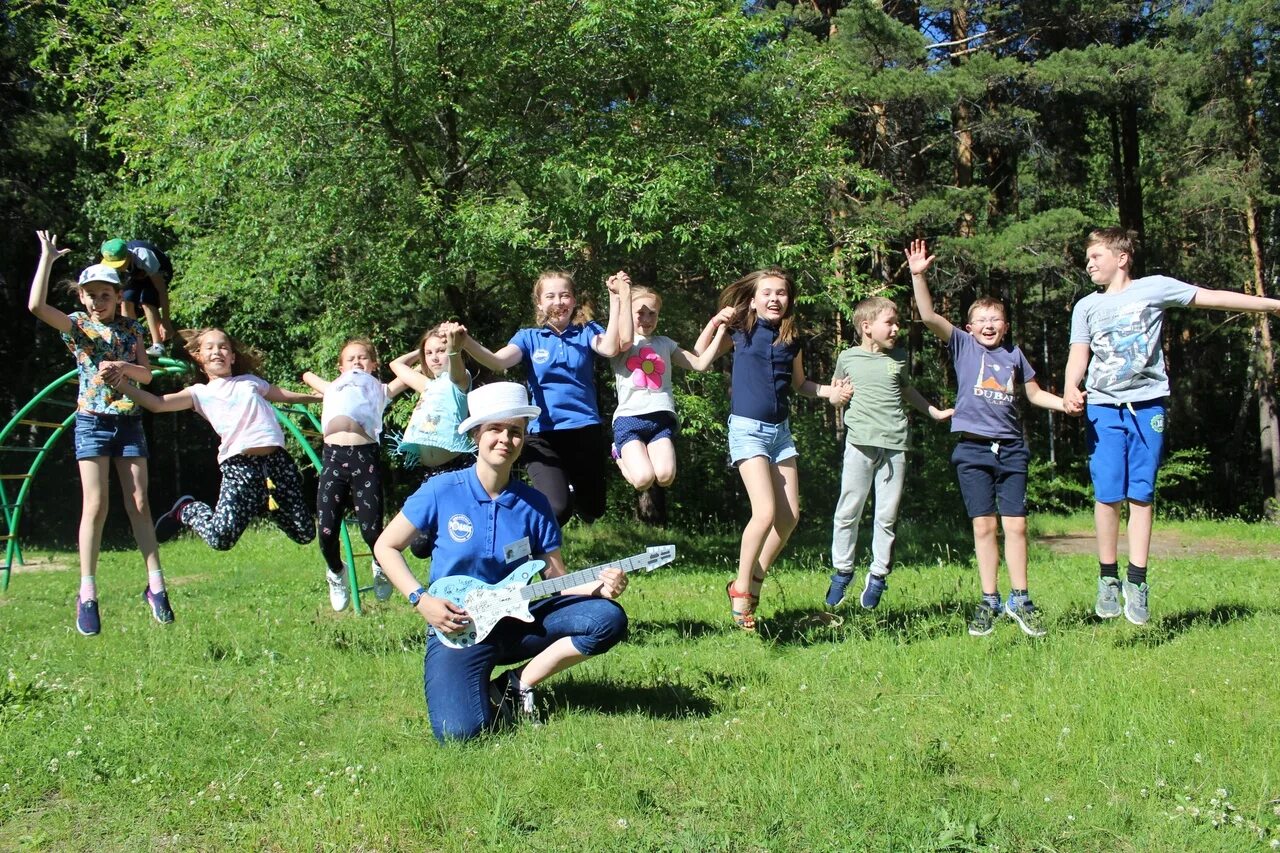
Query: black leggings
[(350, 479), (560, 458)]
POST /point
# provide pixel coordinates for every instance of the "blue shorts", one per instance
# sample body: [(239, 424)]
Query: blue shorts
[(1126, 443), (647, 428), (993, 476), (749, 438), (109, 435)]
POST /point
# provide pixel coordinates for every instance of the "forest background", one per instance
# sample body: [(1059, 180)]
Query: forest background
[(319, 170)]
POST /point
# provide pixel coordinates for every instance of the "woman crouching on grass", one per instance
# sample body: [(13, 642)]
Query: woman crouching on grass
[(482, 524)]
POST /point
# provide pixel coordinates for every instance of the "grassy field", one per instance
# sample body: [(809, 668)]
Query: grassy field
[(263, 720)]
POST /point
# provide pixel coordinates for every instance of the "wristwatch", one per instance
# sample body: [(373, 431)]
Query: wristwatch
[(416, 595)]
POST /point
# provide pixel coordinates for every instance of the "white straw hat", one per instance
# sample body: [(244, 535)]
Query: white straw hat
[(497, 401)]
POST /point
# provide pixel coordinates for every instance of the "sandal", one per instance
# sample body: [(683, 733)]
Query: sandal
[(745, 618)]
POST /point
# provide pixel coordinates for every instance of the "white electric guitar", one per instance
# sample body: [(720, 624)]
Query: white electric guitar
[(486, 603)]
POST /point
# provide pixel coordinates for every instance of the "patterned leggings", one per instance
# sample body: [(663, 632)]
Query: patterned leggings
[(351, 478), (244, 496)]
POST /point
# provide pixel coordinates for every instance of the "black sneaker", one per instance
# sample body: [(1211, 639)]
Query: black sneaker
[(159, 604), (170, 524), (511, 703), (87, 620), (984, 620)]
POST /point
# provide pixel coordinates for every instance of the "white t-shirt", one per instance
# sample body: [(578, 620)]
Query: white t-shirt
[(239, 413), (359, 396), (643, 376)]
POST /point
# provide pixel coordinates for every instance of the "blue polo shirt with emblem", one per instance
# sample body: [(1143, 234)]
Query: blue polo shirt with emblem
[(560, 373), (475, 535), (762, 374)]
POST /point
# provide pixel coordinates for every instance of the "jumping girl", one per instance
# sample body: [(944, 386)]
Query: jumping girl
[(565, 450), (645, 424), (351, 476), (758, 310), (108, 425), (255, 467)]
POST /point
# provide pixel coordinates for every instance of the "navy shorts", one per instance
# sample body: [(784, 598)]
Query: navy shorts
[(647, 428), (1126, 443), (993, 475), (109, 435)]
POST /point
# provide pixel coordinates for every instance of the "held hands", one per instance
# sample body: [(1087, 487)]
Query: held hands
[(454, 334), (442, 614), (940, 414), (49, 245), (840, 391), (113, 373), (618, 282), (918, 257), (1073, 401), (723, 317), (613, 582)]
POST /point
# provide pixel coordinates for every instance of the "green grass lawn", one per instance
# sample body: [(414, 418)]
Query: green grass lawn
[(263, 720)]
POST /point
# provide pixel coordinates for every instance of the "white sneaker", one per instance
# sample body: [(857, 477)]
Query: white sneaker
[(381, 585), (339, 596), (155, 350)]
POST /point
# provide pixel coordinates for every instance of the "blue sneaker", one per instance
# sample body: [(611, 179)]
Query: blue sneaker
[(872, 589), (835, 592), (159, 604), (1022, 611), (87, 621)]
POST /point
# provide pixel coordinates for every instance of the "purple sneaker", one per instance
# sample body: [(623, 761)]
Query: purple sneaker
[(170, 524), (159, 604), (87, 621)]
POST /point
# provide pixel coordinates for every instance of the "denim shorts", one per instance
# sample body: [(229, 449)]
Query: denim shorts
[(749, 438), (647, 428), (109, 435), (993, 476)]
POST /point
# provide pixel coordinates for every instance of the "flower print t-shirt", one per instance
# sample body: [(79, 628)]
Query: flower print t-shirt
[(239, 413), (559, 370), (92, 343), (643, 376)]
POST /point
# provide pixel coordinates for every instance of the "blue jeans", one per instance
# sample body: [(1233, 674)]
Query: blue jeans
[(456, 681)]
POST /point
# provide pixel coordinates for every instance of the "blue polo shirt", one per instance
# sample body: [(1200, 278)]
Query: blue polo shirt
[(475, 535), (762, 374), (560, 373)]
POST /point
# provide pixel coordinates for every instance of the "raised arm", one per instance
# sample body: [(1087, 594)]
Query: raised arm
[(504, 359), (314, 382), (722, 318), (1229, 300), (1037, 396), (38, 301), (620, 333), (276, 394), (1073, 397), (919, 260), (692, 361), (454, 333), (404, 371), (175, 402), (917, 401)]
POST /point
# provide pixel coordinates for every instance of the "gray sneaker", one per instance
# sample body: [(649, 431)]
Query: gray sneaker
[(1026, 615), (1135, 603), (1108, 604), (983, 621)]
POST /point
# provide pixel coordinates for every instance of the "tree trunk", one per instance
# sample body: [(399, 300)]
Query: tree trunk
[(961, 121), (1268, 422)]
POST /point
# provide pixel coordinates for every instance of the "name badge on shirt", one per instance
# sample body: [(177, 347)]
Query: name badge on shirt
[(517, 550)]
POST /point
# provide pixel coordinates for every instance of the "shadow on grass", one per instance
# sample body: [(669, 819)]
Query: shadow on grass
[(1170, 627), (649, 631), (798, 627), (664, 702), (357, 637)]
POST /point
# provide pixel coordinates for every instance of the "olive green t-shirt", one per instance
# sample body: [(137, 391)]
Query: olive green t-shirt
[(875, 416)]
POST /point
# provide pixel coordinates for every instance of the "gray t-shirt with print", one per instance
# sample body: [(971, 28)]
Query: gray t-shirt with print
[(987, 383), (1123, 331)]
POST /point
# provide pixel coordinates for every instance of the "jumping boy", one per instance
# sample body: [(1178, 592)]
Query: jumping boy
[(991, 456), (875, 448), (1116, 335)]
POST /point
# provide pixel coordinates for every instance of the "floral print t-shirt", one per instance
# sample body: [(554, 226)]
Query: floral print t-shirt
[(92, 343), (643, 376)]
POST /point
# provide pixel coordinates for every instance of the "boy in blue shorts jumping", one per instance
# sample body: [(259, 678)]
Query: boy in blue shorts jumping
[(1115, 334)]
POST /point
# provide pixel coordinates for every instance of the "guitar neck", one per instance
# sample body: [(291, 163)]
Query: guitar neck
[(542, 589)]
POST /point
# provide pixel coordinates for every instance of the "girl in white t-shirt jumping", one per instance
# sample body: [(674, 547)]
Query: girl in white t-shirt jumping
[(258, 476), (351, 476), (644, 424)]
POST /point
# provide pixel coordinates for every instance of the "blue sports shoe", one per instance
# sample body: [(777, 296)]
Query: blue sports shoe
[(872, 590), (835, 592), (159, 604), (87, 620)]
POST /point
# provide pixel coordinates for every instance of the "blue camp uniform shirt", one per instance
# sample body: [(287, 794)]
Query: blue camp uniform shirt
[(762, 374), (473, 534), (559, 371)]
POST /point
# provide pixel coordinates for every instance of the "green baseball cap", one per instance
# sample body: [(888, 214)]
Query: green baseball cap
[(115, 253)]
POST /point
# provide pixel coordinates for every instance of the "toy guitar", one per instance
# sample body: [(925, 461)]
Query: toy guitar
[(486, 603)]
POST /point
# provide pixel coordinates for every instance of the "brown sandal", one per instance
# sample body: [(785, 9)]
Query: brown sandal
[(746, 617)]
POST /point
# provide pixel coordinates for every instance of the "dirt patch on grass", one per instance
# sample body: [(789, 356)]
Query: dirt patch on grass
[(1164, 545), (44, 564)]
